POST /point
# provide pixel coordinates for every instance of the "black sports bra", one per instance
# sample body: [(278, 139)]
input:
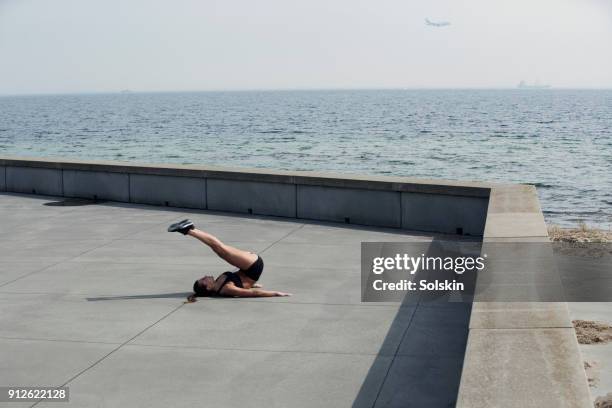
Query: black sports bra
[(233, 277)]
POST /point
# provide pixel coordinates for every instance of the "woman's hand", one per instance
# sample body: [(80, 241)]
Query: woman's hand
[(282, 294)]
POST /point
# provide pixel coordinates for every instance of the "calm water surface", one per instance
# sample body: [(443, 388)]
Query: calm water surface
[(559, 140)]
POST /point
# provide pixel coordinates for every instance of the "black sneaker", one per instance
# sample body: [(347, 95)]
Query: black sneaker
[(183, 227)]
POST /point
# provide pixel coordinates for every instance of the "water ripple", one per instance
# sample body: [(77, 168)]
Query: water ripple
[(559, 140)]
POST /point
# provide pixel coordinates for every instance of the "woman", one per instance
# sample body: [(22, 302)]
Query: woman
[(241, 283)]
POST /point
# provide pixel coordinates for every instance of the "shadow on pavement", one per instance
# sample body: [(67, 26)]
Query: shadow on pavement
[(425, 370), (173, 295)]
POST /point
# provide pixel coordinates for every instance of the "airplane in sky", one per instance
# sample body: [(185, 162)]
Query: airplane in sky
[(438, 24)]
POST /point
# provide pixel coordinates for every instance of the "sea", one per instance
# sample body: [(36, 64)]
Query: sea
[(558, 140)]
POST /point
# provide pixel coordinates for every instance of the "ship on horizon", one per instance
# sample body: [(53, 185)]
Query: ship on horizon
[(535, 85)]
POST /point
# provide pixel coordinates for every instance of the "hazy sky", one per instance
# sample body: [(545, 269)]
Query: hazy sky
[(149, 45)]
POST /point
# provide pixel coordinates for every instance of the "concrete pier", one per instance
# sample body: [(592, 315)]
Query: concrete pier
[(93, 294)]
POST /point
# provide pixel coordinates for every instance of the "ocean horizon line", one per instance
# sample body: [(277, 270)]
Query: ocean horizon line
[(322, 89)]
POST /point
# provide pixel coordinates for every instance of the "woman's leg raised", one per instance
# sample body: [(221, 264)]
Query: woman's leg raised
[(234, 256)]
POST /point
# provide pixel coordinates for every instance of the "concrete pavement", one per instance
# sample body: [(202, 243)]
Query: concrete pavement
[(92, 298)]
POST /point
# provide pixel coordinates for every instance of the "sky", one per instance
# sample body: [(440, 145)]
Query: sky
[(71, 46)]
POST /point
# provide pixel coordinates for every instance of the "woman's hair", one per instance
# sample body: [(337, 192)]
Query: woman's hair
[(198, 290)]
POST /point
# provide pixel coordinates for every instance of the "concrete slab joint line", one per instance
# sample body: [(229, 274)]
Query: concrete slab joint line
[(70, 380), (390, 366)]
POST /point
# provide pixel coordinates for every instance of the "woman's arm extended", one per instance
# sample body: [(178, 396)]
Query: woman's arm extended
[(231, 290)]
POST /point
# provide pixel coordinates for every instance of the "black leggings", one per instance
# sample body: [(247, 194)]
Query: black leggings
[(254, 271)]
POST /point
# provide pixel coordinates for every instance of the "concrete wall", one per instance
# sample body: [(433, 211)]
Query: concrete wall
[(187, 192), (34, 180), (2, 178), (356, 206), (447, 207), (252, 197), (445, 213), (97, 185)]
